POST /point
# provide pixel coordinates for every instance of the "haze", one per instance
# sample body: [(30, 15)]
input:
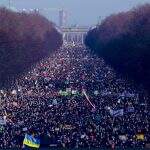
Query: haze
[(80, 12)]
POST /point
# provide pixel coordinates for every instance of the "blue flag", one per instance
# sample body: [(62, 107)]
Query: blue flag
[(31, 141), (116, 113), (130, 109)]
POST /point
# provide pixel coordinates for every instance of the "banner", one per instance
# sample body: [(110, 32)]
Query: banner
[(123, 137), (25, 129), (74, 92), (2, 120), (68, 90), (64, 93), (140, 137), (54, 102), (130, 109), (116, 113), (126, 94)]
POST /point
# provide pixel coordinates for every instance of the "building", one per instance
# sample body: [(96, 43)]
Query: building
[(74, 34)]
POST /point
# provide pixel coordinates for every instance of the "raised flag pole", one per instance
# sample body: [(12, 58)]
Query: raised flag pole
[(87, 98)]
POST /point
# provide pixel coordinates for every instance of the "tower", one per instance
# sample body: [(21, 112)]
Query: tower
[(62, 18)]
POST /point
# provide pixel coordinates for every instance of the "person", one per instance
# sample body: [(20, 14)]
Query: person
[(71, 122)]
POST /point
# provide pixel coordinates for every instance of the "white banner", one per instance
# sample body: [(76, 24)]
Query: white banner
[(2, 121)]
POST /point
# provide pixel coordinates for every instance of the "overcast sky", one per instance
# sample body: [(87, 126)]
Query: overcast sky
[(81, 12)]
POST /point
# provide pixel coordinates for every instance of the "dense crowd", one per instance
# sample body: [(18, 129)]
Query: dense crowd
[(122, 39), (35, 102)]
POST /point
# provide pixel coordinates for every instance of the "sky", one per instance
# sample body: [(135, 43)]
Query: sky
[(80, 12)]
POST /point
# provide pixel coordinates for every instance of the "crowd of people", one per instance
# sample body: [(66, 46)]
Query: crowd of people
[(50, 101)]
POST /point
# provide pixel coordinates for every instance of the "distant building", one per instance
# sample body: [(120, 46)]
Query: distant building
[(74, 34), (62, 18)]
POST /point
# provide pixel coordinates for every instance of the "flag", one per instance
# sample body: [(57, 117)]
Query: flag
[(116, 113), (140, 136), (130, 109), (31, 141)]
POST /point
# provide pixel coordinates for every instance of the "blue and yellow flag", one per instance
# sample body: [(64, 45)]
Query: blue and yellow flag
[(31, 141)]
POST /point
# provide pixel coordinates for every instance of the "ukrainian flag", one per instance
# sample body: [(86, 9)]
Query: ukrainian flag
[(31, 141)]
